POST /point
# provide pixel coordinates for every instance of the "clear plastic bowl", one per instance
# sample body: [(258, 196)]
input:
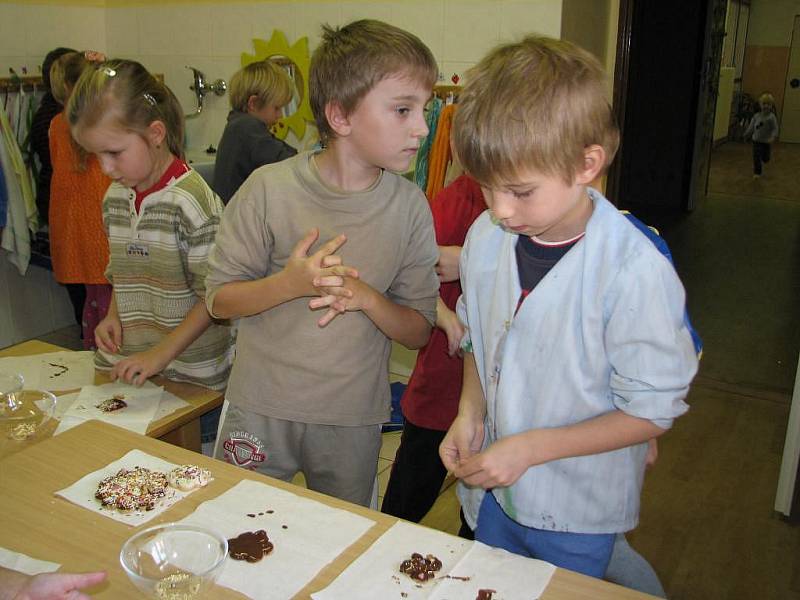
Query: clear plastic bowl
[(24, 413), (10, 382), (174, 561)]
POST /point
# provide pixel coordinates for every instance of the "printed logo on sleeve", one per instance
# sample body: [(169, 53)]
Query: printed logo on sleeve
[(244, 450)]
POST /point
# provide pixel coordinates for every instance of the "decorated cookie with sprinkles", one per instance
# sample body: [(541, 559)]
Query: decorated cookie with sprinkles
[(113, 404), (188, 477), (132, 489)]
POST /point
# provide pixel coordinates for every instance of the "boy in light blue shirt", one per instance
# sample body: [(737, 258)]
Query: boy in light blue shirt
[(578, 352)]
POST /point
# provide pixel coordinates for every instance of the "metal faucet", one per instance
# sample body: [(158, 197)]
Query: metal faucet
[(201, 88)]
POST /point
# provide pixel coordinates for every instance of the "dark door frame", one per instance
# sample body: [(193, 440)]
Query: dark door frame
[(621, 71)]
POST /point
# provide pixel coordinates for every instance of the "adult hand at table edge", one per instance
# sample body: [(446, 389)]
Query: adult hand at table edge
[(46, 586)]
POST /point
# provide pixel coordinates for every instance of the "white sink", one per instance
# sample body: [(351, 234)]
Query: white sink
[(203, 163)]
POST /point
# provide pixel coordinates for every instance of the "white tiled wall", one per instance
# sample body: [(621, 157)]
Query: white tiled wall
[(28, 31), (211, 36), (30, 305), (167, 36)]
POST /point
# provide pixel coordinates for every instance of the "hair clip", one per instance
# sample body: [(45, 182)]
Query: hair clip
[(150, 99), (109, 72)]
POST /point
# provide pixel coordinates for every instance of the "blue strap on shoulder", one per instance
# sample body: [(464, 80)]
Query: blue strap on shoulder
[(658, 242)]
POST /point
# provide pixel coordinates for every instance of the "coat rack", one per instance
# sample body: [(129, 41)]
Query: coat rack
[(29, 83)]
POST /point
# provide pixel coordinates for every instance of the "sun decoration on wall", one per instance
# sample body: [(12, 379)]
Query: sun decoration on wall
[(278, 48)]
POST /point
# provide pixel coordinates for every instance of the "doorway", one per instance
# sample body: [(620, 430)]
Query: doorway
[(712, 491), (790, 123)]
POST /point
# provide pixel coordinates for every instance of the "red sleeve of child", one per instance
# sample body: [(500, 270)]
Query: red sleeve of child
[(431, 398)]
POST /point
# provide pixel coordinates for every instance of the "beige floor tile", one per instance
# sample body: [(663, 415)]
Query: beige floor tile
[(384, 472), (391, 441), (401, 361), (444, 515)]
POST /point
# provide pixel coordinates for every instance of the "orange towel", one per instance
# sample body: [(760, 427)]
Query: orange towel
[(439, 155)]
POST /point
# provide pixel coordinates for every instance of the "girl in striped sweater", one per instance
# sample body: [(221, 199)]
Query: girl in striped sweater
[(161, 218)]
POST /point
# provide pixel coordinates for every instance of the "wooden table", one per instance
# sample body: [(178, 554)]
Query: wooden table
[(36, 522), (181, 427)]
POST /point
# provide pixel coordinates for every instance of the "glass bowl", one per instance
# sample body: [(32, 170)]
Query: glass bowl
[(10, 382), (174, 561), (24, 413)]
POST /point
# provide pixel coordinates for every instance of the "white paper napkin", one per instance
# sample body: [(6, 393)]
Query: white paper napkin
[(143, 402), (483, 567), (376, 573), (24, 563), (82, 491), (466, 568), (168, 405), (54, 371), (307, 535)]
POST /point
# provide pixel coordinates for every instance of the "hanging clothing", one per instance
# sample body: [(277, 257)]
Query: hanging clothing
[(421, 165), (440, 152), (3, 199), (20, 171), (40, 146), (16, 238)]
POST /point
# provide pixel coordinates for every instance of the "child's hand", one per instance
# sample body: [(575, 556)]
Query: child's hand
[(302, 269), (463, 440), (108, 334), (447, 266), (54, 585), (94, 56), (352, 294), (447, 321), (500, 465), (138, 368)]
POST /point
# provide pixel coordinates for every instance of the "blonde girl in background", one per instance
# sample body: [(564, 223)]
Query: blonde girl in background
[(161, 218), (763, 129), (78, 243), (258, 94)]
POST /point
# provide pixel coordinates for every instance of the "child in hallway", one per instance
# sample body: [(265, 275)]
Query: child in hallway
[(78, 243), (577, 352), (258, 93), (160, 218), (309, 393), (763, 130)]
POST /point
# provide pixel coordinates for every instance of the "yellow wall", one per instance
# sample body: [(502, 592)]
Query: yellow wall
[(592, 24), (769, 40), (722, 117)]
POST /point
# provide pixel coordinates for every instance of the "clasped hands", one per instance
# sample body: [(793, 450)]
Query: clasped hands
[(334, 285)]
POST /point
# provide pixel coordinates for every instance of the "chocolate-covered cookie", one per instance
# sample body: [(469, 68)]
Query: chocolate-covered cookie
[(251, 546)]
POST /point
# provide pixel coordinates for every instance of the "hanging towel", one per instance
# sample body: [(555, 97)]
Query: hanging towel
[(3, 198), (421, 166), (16, 238), (440, 152), (15, 168)]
